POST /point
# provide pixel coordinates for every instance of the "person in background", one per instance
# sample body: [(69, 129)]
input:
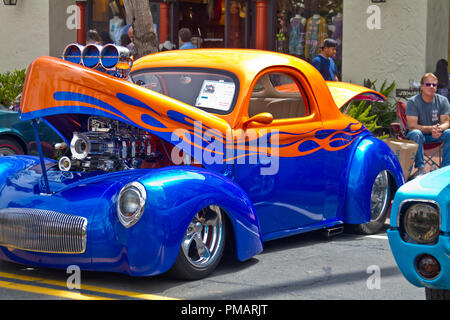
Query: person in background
[(124, 40), (166, 46), (324, 60), (131, 46), (442, 75), (184, 37), (428, 120), (105, 37), (92, 37)]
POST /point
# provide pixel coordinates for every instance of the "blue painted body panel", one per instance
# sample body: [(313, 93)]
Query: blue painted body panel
[(151, 246), (434, 186), (371, 156), (318, 190)]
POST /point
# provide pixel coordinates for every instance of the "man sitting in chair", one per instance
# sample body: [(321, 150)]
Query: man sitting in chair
[(428, 120)]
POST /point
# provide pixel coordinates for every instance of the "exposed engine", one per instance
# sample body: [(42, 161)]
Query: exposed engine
[(110, 145)]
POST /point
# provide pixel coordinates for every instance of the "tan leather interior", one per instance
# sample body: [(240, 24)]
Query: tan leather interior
[(281, 105), (280, 108)]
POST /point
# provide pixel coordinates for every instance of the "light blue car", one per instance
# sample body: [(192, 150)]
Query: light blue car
[(419, 233)]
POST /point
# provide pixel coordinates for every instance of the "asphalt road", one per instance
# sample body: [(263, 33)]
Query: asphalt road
[(304, 267)]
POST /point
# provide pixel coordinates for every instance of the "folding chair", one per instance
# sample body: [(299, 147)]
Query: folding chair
[(432, 151)]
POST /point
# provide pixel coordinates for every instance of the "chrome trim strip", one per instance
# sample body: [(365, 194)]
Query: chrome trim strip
[(42, 231)]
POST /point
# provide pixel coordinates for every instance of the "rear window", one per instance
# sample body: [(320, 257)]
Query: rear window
[(214, 91)]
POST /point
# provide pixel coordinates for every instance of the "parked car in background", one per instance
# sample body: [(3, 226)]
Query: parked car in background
[(419, 233), (17, 136), (198, 148)]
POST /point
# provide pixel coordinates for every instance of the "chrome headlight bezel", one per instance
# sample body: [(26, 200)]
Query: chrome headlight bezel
[(128, 219), (420, 221)]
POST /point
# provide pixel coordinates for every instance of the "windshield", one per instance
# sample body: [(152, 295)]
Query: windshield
[(214, 91)]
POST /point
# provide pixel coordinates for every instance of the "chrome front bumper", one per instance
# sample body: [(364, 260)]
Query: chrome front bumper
[(42, 231)]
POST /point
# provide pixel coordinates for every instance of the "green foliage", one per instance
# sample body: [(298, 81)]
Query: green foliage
[(376, 116), (361, 112), (11, 85)]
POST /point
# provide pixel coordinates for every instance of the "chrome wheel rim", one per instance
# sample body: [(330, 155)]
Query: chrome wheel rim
[(203, 238), (380, 195)]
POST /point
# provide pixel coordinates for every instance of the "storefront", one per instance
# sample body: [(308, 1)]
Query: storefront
[(214, 23), (295, 27), (302, 25), (391, 40)]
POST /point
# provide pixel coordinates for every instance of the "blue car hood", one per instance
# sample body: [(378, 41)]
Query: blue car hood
[(429, 185), (78, 193)]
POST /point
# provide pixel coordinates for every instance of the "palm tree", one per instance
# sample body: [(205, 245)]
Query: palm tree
[(140, 17)]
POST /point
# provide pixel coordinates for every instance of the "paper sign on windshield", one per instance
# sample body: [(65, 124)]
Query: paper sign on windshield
[(216, 95)]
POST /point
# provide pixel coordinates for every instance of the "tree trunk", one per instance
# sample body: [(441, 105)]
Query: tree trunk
[(140, 17)]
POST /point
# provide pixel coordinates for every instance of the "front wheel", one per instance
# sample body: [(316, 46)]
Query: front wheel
[(380, 199), (202, 246)]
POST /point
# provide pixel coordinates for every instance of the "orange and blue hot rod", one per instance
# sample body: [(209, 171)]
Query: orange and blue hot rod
[(184, 154)]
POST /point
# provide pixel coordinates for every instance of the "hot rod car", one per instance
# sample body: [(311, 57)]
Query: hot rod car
[(191, 150)]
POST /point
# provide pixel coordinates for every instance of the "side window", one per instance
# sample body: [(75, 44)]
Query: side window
[(279, 94)]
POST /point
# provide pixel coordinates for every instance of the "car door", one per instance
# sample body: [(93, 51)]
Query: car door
[(288, 190)]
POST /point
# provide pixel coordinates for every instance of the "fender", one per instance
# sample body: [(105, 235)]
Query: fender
[(15, 136), (174, 196), (371, 156)]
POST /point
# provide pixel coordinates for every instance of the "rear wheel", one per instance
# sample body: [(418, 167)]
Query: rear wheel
[(380, 199), (202, 246), (10, 147)]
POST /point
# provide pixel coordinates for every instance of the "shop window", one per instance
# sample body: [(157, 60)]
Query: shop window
[(302, 25), (206, 20), (279, 94), (108, 18)]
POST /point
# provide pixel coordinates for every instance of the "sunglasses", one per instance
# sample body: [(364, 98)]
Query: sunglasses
[(434, 85)]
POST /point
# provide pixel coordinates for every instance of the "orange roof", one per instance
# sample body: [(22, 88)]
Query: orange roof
[(245, 63)]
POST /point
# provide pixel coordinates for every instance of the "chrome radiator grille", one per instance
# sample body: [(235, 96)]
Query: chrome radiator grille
[(42, 230)]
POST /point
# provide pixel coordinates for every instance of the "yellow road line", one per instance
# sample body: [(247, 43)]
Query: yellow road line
[(131, 294), (50, 292)]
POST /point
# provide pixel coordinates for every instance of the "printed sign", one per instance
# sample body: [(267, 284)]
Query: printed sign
[(217, 95)]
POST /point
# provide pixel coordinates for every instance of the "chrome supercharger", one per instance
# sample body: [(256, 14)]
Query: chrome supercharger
[(109, 145)]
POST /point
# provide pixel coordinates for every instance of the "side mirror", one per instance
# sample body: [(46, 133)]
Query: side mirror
[(262, 118)]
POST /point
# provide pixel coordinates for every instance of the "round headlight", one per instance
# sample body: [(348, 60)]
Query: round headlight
[(421, 223), (131, 203)]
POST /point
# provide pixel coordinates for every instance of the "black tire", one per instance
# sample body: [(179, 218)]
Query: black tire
[(379, 207), (437, 294), (10, 147), (202, 247)]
